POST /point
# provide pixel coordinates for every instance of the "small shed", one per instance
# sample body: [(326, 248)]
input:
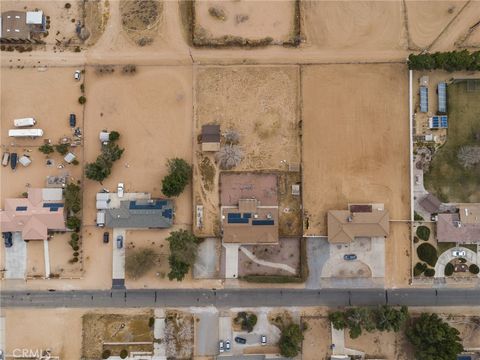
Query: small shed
[(210, 137), (25, 160), (104, 136), (69, 157)]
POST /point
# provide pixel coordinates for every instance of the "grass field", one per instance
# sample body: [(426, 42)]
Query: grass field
[(447, 178)]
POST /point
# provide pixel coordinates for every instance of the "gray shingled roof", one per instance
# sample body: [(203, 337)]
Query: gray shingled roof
[(145, 214)]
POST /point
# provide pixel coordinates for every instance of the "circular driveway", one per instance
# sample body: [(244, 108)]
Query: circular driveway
[(447, 256)]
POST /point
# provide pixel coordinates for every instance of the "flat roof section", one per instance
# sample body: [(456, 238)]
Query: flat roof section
[(236, 186)]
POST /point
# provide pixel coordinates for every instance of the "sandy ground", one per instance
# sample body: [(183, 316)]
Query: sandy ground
[(427, 19), (361, 147), (265, 99), (381, 345), (35, 259), (56, 329), (60, 252), (398, 256), (265, 18), (317, 338), (354, 25)]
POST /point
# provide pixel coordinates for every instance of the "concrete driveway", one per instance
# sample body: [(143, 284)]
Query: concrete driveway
[(447, 256), (318, 253), (207, 263), (231, 260), (118, 255), (16, 258), (206, 332)]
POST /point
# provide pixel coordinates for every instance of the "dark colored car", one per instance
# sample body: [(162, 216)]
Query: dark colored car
[(240, 340), (13, 160), (349, 257), (7, 237), (119, 241), (73, 120), (106, 237)]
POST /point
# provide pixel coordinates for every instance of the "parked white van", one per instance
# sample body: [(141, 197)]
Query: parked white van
[(100, 218), (24, 122), (25, 133)]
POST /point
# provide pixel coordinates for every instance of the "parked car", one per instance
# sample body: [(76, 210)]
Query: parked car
[(119, 241), (227, 345), (7, 238), (349, 257), (73, 120), (263, 340), (458, 253), (240, 340), (13, 160), (221, 347), (77, 74), (5, 158), (120, 189), (106, 237)]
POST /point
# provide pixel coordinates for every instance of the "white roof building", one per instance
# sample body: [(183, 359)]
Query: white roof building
[(34, 17)]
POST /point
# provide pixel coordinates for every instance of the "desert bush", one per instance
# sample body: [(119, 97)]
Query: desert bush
[(474, 269), (82, 100), (423, 233), (62, 149), (419, 269), (68, 6), (129, 69), (232, 137), (427, 253), (429, 272), (449, 268), (180, 173), (46, 149), (74, 237), (76, 253), (229, 156), (123, 354), (74, 223), (217, 13), (417, 217), (114, 136), (415, 239)]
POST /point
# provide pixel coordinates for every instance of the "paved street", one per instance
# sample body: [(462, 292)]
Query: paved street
[(240, 298)]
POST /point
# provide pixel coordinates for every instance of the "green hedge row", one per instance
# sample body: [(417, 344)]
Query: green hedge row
[(449, 61)]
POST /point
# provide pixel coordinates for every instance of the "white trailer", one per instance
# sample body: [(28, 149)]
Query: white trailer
[(100, 218), (24, 122), (25, 133), (25, 160)]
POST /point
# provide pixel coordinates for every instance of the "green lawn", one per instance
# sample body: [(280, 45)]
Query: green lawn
[(447, 179)]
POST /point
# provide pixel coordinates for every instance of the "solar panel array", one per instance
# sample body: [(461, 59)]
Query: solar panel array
[(423, 99), (442, 97), (439, 122)]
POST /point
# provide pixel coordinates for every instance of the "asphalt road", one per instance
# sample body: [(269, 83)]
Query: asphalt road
[(239, 298)]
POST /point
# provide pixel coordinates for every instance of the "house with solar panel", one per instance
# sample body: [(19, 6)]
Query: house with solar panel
[(133, 211), (41, 212)]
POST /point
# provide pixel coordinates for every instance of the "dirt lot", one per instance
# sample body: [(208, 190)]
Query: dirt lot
[(60, 252), (356, 152), (286, 252), (35, 259), (101, 328), (398, 255), (154, 123), (141, 20), (179, 334), (317, 338), (243, 19), (382, 345), (427, 19), (56, 329), (354, 25), (265, 100)]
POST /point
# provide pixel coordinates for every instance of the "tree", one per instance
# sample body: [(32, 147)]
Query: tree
[(139, 262), (46, 149), (111, 152), (434, 339), (179, 176), (82, 100), (72, 197), (62, 149), (423, 233), (427, 252), (123, 354), (449, 269), (183, 252), (388, 318), (74, 223), (114, 136), (246, 320), (290, 340), (99, 170), (337, 319), (474, 269), (229, 156), (232, 137)]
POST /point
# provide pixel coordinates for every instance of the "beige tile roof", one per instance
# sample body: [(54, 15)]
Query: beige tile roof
[(35, 221), (344, 226), (451, 229)]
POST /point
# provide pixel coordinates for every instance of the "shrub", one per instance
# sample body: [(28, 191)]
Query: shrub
[(474, 269), (417, 217), (46, 149), (290, 340), (68, 6), (183, 252), (82, 87), (151, 322), (178, 178), (76, 253), (114, 136), (429, 272), (423, 232), (75, 162), (419, 269), (123, 354), (74, 237), (62, 149), (75, 248), (449, 268), (427, 253), (415, 239), (74, 223), (82, 100)]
